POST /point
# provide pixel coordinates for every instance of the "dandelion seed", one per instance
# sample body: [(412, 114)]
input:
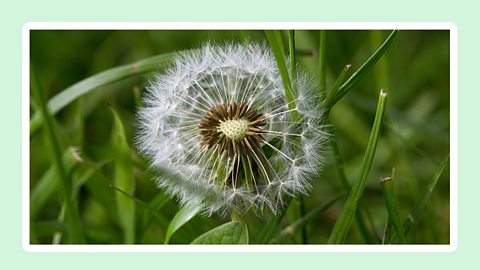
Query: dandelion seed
[(218, 120)]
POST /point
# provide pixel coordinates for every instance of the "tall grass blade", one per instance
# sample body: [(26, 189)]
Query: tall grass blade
[(291, 52), (322, 67), (340, 166), (343, 223), (364, 69), (73, 221), (123, 179), (391, 202), (274, 38)]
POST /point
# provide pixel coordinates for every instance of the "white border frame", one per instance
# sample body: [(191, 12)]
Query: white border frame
[(236, 25)]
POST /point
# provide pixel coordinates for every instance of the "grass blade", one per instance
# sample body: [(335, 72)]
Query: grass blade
[(392, 206), (293, 65), (340, 80), (74, 226), (47, 185), (343, 223), (274, 38), (156, 203), (359, 215), (422, 202), (124, 179), (186, 213), (300, 223), (231, 233), (68, 95), (364, 69), (291, 51), (322, 67)]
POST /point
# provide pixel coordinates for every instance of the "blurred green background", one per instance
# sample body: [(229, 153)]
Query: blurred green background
[(414, 140)]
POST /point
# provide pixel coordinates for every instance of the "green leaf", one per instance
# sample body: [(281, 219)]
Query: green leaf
[(364, 69), (232, 233), (123, 179), (342, 226), (186, 213), (70, 94)]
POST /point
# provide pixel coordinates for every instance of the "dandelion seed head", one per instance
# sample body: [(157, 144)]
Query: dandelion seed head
[(218, 125)]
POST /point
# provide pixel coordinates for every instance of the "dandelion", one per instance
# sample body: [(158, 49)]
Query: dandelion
[(219, 122)]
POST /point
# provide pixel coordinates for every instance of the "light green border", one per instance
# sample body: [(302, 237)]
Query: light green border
[(15, 14)]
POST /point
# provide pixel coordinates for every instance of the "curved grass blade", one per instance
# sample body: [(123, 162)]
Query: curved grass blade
[(392, 206), (232, 233), (343, 223), (68, 95), (186, 213), (74, 225), (363, 70), (124, 179), (300, 223)]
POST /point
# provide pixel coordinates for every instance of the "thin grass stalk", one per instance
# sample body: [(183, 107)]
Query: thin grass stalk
[(391, 202), (359, 215), (293, 72), (274, 38), (364, 69), (74, 226), (342, 226), (322, 67)]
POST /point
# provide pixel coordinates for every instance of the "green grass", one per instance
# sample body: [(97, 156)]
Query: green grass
[(342, 225), (104, 193)]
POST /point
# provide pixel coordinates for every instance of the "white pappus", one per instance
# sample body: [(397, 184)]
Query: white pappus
[(218, 121)]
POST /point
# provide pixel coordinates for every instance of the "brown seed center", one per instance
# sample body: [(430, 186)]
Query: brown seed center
[(234, 128)]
